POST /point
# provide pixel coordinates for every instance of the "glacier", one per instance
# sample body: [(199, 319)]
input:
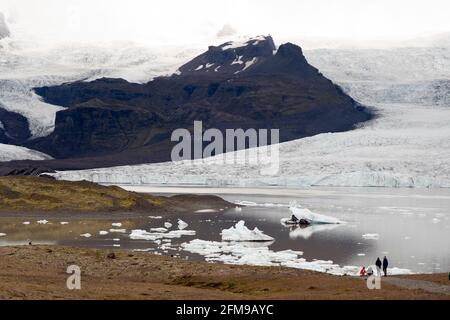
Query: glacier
[(10, 153), (406, 145), (26, 64)]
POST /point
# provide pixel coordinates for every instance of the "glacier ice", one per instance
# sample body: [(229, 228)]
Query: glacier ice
[(25, 64), (139, 234), (240, 232), (10, 153), (258, 254), (311, 217), (182, 225)]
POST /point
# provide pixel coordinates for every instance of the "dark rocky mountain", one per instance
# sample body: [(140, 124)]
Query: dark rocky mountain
[(14, 128), (235, 85), (4, 30), (231, 58)]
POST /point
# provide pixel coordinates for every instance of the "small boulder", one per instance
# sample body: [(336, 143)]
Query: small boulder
[(111, 256)]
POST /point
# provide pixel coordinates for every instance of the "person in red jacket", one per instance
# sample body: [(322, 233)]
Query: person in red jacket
[(363, 272)]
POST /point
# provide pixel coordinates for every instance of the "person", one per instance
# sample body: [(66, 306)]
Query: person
[(385, 265), (369, 271), (378, 264), (363, 272)]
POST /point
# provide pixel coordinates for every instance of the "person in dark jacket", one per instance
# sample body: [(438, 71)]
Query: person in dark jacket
[(385, 265), (378, 264)]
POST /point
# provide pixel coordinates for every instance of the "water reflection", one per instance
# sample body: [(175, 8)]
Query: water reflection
[(305, 232)]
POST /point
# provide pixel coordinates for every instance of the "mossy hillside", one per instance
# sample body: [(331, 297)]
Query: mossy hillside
[(43, 194)]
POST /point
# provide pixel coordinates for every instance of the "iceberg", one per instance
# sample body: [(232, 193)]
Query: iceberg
[(182, 225), (159, 230), (240, 232), (139, 234), (168, 225), (311, 217), (117, 230)]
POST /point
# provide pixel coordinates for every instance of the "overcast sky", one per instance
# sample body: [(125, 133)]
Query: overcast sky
[(175, 21)]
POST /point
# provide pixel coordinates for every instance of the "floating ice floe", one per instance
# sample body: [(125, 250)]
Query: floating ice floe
[(42, 222), (64, 223), (155, 217), (182, 225), (118, 224), (371, 236), (168, 225), (2, 234), (160, 230), (152, 236), (206, 211), (86, 235), (26, 223), (311, 217), (103, 233), (118, 230), (238, 209), (258, 254), (240, 232)]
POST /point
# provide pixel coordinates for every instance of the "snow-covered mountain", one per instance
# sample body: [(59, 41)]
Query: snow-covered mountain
[(408, 145)]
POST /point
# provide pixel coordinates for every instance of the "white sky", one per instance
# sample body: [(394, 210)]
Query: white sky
[(180, 21)]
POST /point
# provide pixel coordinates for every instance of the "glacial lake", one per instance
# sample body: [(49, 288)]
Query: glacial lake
[(409, 226)]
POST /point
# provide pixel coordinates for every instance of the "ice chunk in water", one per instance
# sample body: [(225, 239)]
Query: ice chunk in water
[(241, 233)]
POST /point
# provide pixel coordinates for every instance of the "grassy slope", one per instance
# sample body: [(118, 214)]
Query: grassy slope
[(19, 194)]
